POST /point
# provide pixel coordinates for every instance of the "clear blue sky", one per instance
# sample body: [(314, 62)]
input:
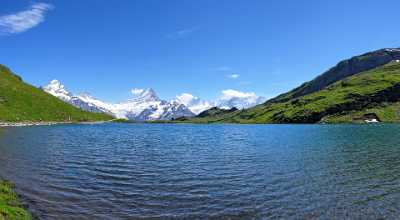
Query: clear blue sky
[(109, 47)]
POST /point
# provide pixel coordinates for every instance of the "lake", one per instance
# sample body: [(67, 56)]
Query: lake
[(165, 171)]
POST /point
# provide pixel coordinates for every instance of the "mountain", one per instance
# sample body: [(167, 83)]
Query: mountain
[(20, 102), (195, 104), (228, 99), (241, 100), (146, 105), (342, 70), (83, 101), (215, 111), (360, 89)]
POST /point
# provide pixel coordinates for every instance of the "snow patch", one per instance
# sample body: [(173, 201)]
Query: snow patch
[(145, 105)]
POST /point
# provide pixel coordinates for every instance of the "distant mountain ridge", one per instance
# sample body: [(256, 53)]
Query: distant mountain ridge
[(228, 100), (21, 102), (83, 101), (363, 88), (342, 70), (146, 105)]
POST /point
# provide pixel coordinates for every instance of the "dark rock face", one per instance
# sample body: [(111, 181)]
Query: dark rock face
[(342, 70)]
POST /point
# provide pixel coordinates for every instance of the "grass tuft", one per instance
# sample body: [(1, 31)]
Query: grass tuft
[(10, 206)]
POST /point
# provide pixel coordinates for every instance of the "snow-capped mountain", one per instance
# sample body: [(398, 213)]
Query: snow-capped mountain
[(89, 103), (83, 101), (147, 106), (195, 104), (241, 100), (228, 99), (56, 89), (144, 106)]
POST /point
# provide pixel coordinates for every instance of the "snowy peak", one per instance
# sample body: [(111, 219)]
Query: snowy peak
[(83, 101), (231, 98), (85, 95), (145, 105), (57, 89), (144, 95), (195, 104)]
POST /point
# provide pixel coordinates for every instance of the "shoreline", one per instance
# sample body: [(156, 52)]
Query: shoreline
[(11, 205), (25, 124), (49, 123)]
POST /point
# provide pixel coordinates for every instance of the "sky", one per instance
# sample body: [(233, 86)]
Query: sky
[(266, 47)]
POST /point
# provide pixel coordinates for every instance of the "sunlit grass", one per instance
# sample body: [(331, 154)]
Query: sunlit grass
[(22, 102), (10, 206)]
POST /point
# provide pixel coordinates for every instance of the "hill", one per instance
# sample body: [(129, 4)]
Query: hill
[(342, 70), (20, 102), (214, 114), (362, 88)]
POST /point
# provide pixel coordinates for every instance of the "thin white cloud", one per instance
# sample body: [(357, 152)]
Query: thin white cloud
[(186, 98), (137, 91), (233, 98), (195, 104), (229, 98), (233, 76), (223, 68), (230, 93), (24, 20), (180, 34)]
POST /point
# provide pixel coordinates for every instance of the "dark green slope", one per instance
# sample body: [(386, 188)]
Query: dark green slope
[(342, 70), (214, 114), (375, 89), (351, 96), (20, 101)]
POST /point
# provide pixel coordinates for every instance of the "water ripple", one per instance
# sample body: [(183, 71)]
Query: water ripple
[(151, 171)]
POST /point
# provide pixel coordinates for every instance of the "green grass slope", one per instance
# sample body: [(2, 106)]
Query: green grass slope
[(211, 115), (343, 69), (10, 206), (351, 99), (21, 102)]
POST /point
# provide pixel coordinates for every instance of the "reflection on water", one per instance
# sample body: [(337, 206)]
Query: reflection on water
[(128, 171)]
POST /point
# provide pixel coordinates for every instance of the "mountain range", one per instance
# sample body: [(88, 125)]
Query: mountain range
[(364, 88), (21, 102), (146, 105)]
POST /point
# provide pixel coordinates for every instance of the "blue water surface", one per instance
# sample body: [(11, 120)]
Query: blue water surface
[(166, 171)]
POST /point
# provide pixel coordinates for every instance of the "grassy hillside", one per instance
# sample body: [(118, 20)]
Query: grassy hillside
[(20, 101), (351, 99), (342, 70), (10, 207), (212, 115)]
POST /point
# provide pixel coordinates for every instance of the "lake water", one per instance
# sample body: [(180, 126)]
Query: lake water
[(130, 171)]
